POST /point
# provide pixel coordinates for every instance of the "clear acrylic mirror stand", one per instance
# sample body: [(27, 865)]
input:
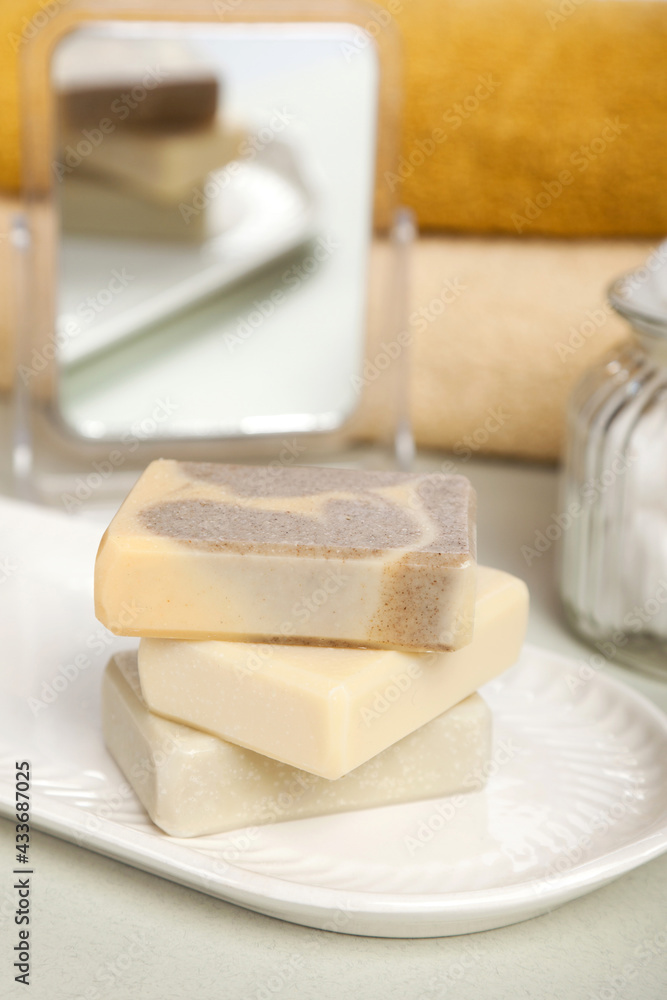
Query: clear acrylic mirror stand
[(51, 464)]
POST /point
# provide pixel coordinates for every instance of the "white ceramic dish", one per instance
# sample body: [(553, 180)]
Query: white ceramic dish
[(263, 211), (576, 797)]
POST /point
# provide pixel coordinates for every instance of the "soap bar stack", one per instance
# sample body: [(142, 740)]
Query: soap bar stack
[(300, 628), (141, 130)]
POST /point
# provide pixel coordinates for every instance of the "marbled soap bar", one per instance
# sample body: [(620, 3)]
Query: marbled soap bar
[(168, 104), (192, 784), (327, 710), (134, 83), (164, 166), (298, 555)]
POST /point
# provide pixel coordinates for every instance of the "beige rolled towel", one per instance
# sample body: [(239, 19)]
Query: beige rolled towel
[(501, 328)]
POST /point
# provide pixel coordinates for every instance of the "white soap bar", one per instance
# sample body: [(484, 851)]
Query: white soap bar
[(192, 784), (327, 710)]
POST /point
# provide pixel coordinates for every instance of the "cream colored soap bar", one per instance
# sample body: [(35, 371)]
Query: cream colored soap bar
[(92, 206), (328, 710), (164, 166), (319, 556), (193, 784)]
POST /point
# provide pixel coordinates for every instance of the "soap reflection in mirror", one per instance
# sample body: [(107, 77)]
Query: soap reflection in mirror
[(215, 191)]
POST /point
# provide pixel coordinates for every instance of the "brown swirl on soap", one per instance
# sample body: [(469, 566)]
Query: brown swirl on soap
[(292, 481), (421, 526), (448, 499), (352, 529)]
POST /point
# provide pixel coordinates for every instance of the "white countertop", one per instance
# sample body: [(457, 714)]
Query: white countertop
[(102, 930)]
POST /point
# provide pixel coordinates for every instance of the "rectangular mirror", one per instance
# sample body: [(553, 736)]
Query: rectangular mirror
[(206, 230)]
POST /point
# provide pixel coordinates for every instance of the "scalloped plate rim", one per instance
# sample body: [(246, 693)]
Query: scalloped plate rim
[(372, 913)]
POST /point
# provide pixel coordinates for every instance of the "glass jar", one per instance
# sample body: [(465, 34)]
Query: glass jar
[(614, 496)]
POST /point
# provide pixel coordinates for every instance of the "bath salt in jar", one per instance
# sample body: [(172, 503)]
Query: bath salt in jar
[(613, 565)]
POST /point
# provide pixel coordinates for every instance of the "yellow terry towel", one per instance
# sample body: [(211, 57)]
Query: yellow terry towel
[(500, 331), (535, 116), (532, 116)]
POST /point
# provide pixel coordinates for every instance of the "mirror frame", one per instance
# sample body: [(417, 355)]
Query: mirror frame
[(48, 457)]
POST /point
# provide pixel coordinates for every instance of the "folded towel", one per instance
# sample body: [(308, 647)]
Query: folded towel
[(531, 116), (500, 330), (534, 116)]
